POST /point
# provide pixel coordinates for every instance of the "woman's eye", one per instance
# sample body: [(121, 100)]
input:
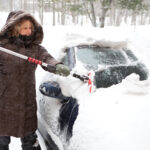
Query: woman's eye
[(27, 28)]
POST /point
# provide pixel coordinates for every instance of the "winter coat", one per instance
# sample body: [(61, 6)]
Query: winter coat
[(18, 108)]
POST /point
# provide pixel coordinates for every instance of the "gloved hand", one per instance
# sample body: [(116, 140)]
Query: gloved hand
[(62, 70)]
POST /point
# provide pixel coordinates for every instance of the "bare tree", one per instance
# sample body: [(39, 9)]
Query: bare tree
[(33, 6), (25, 4), (112, 15), (90, 11), (118, 17), (95, 10), (74, 8), (63, 12), (41, 10), (93, 14), (11, 5), (54, 10), (105, 6)]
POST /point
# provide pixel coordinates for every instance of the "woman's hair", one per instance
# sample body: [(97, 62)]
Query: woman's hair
[(14, 32)]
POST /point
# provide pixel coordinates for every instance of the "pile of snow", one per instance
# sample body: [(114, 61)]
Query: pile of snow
[(111, 118)]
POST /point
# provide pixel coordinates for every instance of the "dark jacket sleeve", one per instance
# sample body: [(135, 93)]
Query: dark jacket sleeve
[(44, 56)]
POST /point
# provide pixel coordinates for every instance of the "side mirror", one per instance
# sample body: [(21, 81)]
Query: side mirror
[(52, 89)]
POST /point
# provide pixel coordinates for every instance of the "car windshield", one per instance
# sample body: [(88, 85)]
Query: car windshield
[(92, 56)]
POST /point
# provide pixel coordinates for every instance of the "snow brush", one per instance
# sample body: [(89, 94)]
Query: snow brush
[(87, 79), (29, 59), (38, 62)]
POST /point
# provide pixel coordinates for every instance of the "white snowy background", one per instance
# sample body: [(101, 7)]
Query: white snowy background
[(116, 118)]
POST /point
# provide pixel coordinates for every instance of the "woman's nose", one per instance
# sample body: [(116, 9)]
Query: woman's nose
[(28, 32)]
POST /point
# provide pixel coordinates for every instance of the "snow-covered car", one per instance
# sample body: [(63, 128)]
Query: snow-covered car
[(63, 101), (111, 65)]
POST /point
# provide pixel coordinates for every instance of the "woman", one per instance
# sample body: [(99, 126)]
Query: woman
[(18, 118)]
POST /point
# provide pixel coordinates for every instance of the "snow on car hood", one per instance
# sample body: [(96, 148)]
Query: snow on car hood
[(71, 86)]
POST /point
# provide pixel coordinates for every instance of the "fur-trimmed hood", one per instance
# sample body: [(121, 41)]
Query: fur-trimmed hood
[(15, 17), (18, 107)]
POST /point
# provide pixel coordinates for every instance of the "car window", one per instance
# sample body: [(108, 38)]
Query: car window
[(69, 58), (93, 56)]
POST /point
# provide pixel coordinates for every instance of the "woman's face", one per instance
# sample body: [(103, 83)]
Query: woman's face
[(26, 28)]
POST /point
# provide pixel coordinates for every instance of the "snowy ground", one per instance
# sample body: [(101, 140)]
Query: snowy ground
[(124, 123), (119, 116), (16, 144)]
